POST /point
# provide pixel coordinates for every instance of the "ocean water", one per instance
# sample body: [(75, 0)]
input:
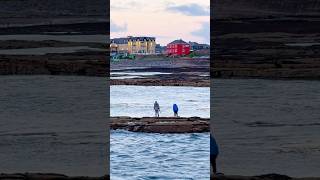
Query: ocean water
[(141, 156), (146, 156), (53, 124), (131, 75), (261, 126), (126, 77), (137, 101), (267, 126), (139, 73)]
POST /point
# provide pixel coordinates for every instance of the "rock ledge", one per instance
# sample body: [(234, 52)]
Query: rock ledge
[(161, 124)]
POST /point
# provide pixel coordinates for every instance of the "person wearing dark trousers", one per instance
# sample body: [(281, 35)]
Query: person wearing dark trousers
[(175, 110), (214, 151), (156, 108)]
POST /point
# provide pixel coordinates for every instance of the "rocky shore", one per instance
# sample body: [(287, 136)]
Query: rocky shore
[(194, 82), (276, 39), (42, 16), (175, 71), (46, 176), (23, 44), (161, 124), (285, 48), (85, 64), (168, 72)]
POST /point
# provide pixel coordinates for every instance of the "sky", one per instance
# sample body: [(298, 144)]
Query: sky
[(167, 20)]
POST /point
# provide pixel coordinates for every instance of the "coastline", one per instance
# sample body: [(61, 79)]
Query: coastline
[(194, 82), (282, 50), (265, 47), (95, 64)]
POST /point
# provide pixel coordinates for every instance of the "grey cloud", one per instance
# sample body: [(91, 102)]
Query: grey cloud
[(203, 32), (190, 9)]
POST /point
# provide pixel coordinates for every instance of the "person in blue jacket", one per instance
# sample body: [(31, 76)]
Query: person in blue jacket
[(175, 110), (214, 152)]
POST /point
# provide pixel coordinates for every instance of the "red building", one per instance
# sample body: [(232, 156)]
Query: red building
[(178, 48)]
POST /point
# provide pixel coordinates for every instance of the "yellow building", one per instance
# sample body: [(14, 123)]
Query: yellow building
[(119, 45), (134, 45)]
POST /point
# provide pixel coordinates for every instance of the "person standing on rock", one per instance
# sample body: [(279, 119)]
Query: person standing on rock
[(214, 151), (175, 110), (156, 108)]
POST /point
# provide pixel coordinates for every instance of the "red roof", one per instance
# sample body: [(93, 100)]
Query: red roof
[(179, 41)]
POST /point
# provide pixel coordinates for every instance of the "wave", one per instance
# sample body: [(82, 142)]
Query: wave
[(31, 134)]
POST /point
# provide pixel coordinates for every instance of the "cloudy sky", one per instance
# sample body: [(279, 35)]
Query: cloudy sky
[(166, 20)]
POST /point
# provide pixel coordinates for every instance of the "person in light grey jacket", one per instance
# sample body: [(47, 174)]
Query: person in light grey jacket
[(156, 108)]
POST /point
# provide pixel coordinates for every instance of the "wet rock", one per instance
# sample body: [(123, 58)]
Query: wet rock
[(265, 39), (161, 124), (46, 176), (35, 66), (198, 82)]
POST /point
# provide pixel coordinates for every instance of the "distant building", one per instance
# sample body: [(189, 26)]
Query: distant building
[(141, 45), (119, 45), (196, 46), (113, 49), (134, 45), (178, 48), (160, 49)]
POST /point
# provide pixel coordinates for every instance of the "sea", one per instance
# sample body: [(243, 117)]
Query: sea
[(58, 124), (54, 124), (147, 156), (267, 126), (138, 101), (159, 156)]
